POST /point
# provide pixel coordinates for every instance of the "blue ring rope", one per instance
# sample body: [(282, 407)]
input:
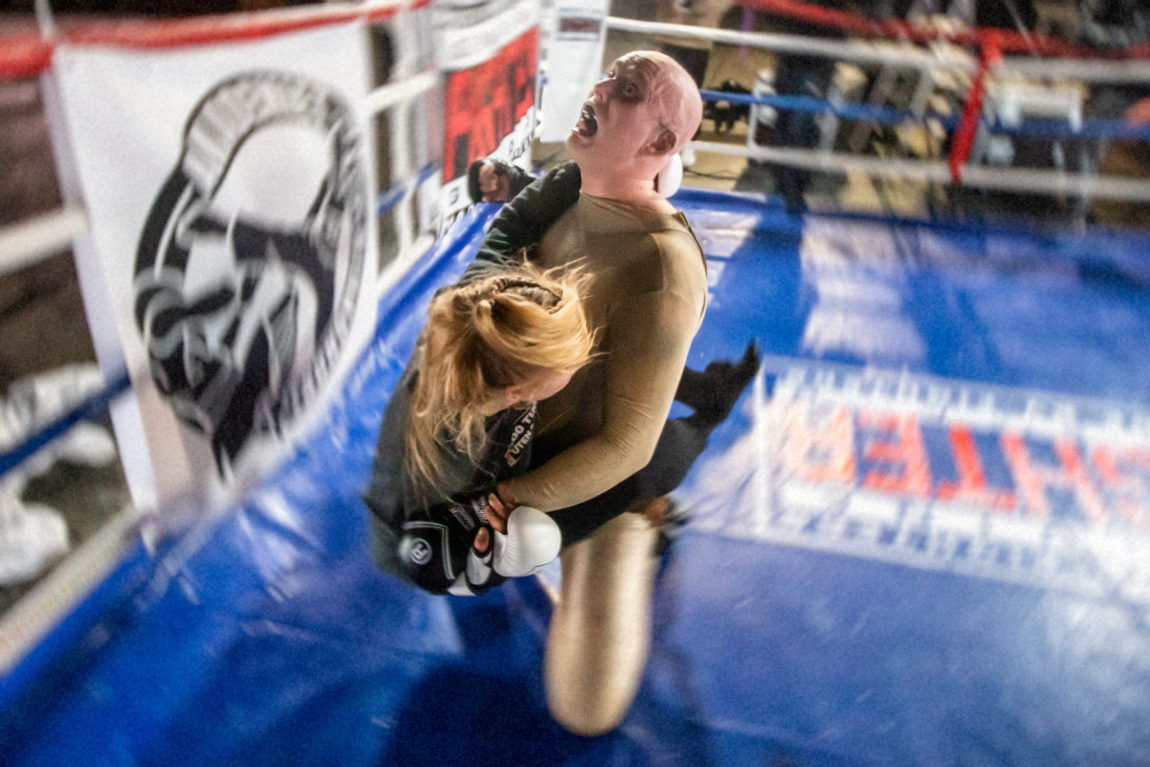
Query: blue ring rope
[(90, 409), (389, 198), (1034, 126)]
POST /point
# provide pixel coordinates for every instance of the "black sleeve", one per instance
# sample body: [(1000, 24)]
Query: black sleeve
[(387, 495), (519, 179), (523, 221)]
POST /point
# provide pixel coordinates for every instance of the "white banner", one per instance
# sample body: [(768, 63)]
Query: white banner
[(575, 62), (228, 191)]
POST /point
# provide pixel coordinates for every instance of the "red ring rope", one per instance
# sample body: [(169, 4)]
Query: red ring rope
[(23, 55), (27, 54), (1008, 41)]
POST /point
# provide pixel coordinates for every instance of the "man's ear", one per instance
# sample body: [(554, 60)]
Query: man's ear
[(664, 142)]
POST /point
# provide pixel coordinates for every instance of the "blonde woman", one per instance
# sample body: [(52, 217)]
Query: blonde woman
[(461, 419)]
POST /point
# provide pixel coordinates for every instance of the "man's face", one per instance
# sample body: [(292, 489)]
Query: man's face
[(622, 114)]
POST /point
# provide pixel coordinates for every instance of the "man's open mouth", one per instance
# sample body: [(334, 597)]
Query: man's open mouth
[(586, 125)]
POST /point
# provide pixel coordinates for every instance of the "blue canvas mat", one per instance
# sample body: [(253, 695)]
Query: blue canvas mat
[(919, 539)]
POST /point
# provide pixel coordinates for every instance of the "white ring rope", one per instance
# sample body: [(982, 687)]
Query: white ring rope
[(1084, 70), (387, 96), (1008, 179), (35, 239), (903, 54), (908, 55)]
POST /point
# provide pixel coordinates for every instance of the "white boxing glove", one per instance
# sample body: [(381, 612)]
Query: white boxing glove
[(532, 540)]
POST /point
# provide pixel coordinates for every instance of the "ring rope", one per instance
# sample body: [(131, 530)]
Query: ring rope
[(1006, 179), (27, 54), (1005, 40), (392, 197), (1036, 127), (91, 408), (903, 54), (27, 242), (863, 52), (812, 104)]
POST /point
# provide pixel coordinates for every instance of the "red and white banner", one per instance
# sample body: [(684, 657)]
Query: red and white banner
[(491, 55), (486, 104), (229, 191)]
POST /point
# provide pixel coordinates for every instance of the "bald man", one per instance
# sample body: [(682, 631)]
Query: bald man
[(647, 299)]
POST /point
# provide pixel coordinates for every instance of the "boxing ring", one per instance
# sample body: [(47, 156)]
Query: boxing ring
[(790, 627), (919, 539)]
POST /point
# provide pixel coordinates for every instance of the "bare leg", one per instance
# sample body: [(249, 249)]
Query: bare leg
[(600, 632)]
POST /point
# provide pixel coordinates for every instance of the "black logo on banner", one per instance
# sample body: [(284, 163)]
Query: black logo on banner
[(248, 268)]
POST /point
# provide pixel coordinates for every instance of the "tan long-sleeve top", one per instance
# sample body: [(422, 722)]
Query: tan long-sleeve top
[(647, 298)]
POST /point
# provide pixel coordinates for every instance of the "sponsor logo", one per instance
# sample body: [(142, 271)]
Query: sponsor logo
[(461, 516), (521, 435), (420, 541), (1013, 485), (479, 508)]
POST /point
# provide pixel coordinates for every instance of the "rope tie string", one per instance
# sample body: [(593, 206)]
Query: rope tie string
[(26, 54), (989, 57)]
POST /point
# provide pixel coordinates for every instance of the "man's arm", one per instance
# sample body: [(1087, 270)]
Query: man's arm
[(646, 348)]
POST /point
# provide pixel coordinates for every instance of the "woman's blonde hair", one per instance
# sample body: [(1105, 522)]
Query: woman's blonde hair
[(496, 331)]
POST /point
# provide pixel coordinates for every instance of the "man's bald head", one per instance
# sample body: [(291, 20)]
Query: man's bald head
[(682, 104), (641, 113)]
